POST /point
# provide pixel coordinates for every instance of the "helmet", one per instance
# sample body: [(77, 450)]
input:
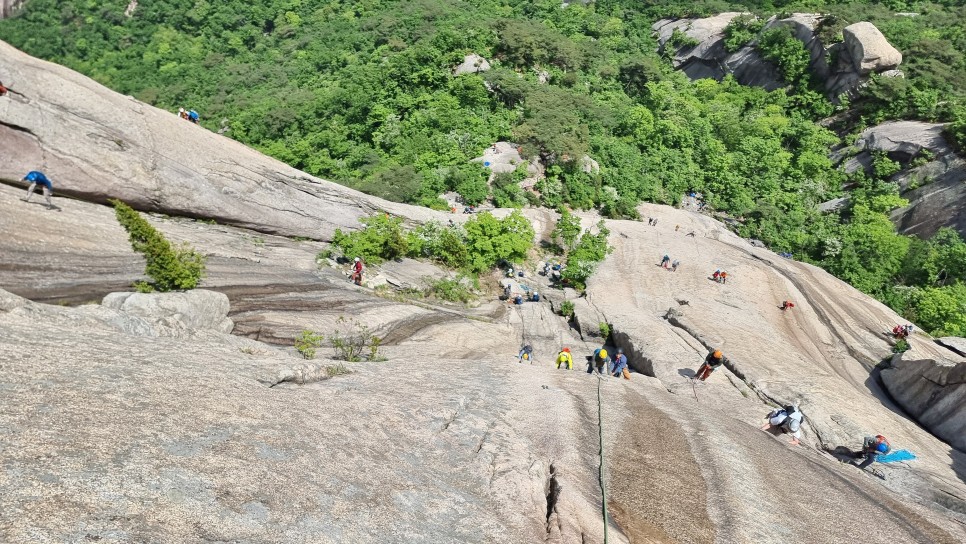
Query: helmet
[(603, 353), (358, 259), (882, 448), (620, 350), (526, 355), (717, 354), (567, 350)]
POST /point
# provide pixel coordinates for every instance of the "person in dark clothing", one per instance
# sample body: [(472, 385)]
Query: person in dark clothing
[(872, 447), (711, 363)]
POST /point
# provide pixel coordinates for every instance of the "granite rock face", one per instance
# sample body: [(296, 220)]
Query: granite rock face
[(934, 392), (936, 188), (9, 7), (197, 309), (96, 144)]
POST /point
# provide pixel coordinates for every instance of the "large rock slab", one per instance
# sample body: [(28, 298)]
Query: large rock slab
[(197, 309), (869, 50), (96, 144), (9, 7), (934, 392)]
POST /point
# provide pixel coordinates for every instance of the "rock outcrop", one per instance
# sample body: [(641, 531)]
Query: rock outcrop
[(869, 50), (9, 7), (472, 64), (192, 310), (933, 392), (96, 144), (954, 343), (936, 189), (864, 51)]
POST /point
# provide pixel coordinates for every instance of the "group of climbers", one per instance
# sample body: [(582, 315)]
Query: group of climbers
[(667, 264), (901, 332), (189, 115), (719, 276)]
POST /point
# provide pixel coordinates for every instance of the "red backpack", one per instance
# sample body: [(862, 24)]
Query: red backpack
[(3, 90)]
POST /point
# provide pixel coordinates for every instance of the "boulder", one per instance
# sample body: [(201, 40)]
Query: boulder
[(900, 140), (193, 310), (472, 64), (504, 157), (869, 50), (9, 7), (934, 392)]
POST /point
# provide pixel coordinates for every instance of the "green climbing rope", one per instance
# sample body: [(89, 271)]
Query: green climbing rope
[(600, 426)]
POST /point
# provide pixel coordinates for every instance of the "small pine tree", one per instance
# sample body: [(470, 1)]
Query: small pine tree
[(171, 267)]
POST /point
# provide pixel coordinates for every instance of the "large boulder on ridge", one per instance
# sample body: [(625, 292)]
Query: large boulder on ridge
[(869, 50)]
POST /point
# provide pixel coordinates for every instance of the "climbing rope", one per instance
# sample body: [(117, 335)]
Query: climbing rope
[(600, 426)]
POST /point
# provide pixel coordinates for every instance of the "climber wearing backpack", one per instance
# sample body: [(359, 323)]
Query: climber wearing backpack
[(787, 420), (618, 367), (872, 447), (665, 261), (38, 178), (526, 354), (600, 361), (193, 116), (565, 358), (711, 363)]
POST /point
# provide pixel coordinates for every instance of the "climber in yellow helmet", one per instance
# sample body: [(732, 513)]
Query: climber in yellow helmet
[(711, 363), (600, 360), (564, 357)]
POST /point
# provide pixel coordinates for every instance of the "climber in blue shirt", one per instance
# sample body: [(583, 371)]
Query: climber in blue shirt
[(38, 178)]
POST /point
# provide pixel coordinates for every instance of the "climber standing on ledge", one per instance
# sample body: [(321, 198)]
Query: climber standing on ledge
[(38, 178), (357, 271), (711, 363)]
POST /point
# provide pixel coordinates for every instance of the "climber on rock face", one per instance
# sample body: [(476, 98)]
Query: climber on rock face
[(872, 447), (788, 420), (526, 354), (665, 261), (565, 358), (600, 361), (3, 90), (711, 363), (357, 271), (38, 178), (787, 305), (675, 265), (618, 367)]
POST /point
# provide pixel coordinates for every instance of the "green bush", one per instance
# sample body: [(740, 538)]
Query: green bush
[(444, 244), (566, 231), (582, 261), (490, 240), (352, 339), (381, 239), (171, 267), (307, 342), (604, 328), (451, 290), (567, 308), (741, 30)]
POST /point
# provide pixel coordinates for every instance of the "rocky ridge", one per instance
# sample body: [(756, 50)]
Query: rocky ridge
[(863, 51)]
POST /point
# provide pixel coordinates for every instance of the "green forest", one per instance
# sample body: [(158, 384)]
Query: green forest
[(363, 93)]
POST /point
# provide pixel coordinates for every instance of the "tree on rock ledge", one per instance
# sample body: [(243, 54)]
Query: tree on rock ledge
[(171, 268)]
